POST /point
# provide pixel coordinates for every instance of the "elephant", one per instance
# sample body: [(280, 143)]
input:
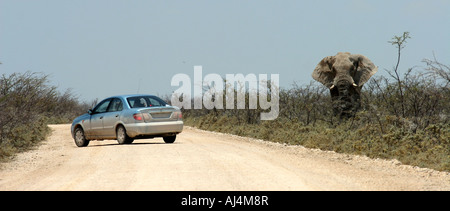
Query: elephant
[(344, 74)]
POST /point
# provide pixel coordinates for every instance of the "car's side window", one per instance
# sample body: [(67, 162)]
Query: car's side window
[(101, 107), (115, 105)]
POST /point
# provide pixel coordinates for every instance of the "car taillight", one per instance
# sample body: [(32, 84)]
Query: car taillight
[(177, 115), (138, 117)]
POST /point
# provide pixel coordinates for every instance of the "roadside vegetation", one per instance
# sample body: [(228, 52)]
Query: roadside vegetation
[(27, 104), (405, 116)]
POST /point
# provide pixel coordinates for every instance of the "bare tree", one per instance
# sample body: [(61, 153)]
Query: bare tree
[(438, 69), (399, 42)]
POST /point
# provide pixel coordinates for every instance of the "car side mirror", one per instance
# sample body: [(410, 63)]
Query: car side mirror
[(90, 111)]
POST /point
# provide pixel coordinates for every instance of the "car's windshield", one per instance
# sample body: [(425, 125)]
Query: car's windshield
[(145, 101)]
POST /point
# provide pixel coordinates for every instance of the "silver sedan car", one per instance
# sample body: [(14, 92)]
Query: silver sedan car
[(128, 117)]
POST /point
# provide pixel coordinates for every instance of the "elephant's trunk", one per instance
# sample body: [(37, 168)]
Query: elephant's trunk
[(345, 97)]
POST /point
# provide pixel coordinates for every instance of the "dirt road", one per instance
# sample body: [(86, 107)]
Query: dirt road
[(201, 160)]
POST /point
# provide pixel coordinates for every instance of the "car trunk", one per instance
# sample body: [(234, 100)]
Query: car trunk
[(158, 114)]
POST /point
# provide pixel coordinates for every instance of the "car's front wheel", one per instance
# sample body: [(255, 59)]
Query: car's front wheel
[(122, 136), (80, 139)]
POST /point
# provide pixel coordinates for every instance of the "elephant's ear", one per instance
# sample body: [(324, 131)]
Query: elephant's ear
[(365, 69), (324, 72)]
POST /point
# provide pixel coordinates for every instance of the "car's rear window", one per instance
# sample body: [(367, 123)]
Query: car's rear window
[(145, 101)]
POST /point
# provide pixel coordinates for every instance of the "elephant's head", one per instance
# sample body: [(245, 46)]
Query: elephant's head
[(344, 74)]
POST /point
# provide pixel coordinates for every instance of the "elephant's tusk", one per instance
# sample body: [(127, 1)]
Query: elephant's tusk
[(354, 84), (332, 86)]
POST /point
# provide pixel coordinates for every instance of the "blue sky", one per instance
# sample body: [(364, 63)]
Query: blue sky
[(101, 48)]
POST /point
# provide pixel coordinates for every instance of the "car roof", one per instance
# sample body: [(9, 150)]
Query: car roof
[(130, 95)]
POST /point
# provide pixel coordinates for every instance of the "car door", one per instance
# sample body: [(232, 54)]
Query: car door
[(96, 120), (112, 117)]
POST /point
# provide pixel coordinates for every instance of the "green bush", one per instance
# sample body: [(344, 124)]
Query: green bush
[(27, 105), (428, 147)]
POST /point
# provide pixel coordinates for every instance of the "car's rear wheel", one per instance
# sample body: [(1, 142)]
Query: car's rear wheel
[(80, 139), (122, 137), (169, 139)]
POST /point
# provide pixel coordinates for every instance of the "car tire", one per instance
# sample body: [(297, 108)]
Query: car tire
[(169, 139), (80, 138), (122, 137)]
